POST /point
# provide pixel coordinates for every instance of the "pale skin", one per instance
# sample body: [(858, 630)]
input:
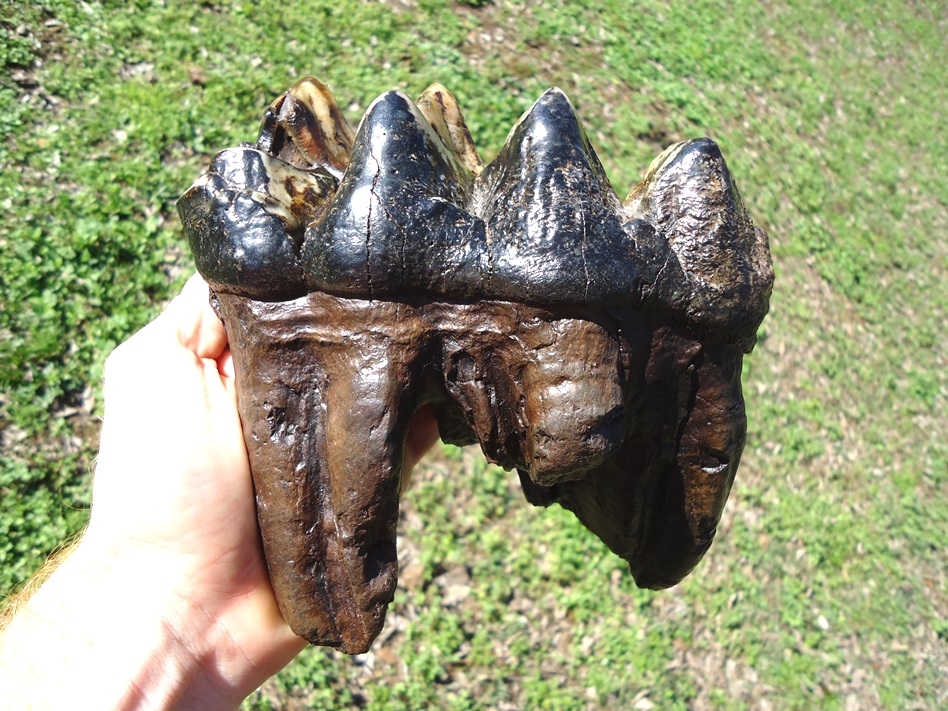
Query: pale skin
[(165, 602)]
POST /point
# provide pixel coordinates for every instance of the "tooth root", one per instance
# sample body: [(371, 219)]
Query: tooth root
[(658, 501), (712, 439), (552, 215), (282, 426), (367, 420), (439, 106), (573, 399), (324, 391), (690, 491)]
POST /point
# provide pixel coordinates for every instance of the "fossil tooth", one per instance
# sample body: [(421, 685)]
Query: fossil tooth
[(305, 127), (439, 106), (396, 223), (595, 346)]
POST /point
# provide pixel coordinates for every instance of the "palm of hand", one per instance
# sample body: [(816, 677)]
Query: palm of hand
[(184, 512)]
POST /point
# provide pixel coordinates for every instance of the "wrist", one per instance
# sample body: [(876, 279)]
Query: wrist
[(183, 655), (221, 632), (110, 629)]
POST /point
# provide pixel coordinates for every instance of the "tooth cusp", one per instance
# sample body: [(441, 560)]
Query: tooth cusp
[(553, 216), (305, 127), (244, 221), (689, 196), (396, 224)]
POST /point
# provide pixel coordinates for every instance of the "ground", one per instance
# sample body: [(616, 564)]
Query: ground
[(826, 585)]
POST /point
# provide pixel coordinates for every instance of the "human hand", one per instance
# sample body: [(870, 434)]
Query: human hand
[(173, 497), (176, 608)]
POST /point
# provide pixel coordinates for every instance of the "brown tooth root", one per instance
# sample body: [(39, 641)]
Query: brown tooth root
[(324, 400), (367, 418), (573, 399), (657, 502), (712, 440), (281, 411), (692, 487)]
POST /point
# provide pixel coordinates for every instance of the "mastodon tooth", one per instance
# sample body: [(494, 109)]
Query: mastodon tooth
[(593, 345)]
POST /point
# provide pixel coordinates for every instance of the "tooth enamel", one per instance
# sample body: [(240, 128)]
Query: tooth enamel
[(552, 214), (378, 237), (690, 198), (301, 196), (331, 146), (441, 109)]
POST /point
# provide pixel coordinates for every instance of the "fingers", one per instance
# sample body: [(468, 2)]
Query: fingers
[(186, 333), (188, 322), (225, 364), (171, 440), (195, 325), (422, 434)]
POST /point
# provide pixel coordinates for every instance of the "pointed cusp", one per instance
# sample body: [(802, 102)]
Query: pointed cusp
[(552, 215), (688, 195), (305, 127), (439, 106), (397, 223)]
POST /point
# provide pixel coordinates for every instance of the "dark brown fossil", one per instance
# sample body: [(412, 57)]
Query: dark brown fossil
[(592, 344)]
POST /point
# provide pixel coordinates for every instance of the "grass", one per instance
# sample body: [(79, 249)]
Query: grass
[(828, 583)]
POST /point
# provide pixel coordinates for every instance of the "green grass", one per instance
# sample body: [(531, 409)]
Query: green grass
[(828, 583)]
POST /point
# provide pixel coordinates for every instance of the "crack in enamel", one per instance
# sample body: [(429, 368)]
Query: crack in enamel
[(516, 230), (593, 345)]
